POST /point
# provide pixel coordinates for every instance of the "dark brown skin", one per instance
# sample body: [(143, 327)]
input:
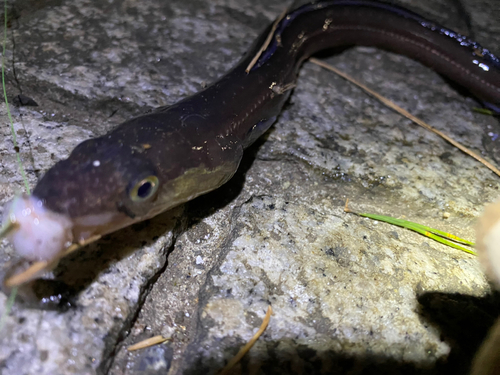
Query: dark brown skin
[(196, 145)]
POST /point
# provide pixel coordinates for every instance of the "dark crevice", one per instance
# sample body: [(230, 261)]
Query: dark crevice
[(197, 333), (112, 348)]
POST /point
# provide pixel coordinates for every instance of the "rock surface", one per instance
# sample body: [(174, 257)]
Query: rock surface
[(349, 295)]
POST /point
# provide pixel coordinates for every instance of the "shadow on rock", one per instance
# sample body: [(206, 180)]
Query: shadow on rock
[(462, 320)]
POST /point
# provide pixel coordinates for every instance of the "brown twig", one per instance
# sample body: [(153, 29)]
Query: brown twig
[(249, 344), (39, 268), (155, 340), (346, 207), (266, 42), (408, 115)]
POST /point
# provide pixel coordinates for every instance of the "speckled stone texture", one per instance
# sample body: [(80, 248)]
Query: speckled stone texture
[(349, 295)]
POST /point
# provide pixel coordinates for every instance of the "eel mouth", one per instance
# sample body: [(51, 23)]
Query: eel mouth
[(40, 234), (36, 232)]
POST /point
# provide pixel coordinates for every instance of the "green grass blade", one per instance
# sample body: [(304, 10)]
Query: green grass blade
[(448, 243), (10, 226), (432, 233), (484, 111), (11, 121), (415, 226)]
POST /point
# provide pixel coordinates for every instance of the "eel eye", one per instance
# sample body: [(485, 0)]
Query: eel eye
[(144, 189)]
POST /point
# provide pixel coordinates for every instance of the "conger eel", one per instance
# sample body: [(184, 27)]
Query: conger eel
[(156, 161)]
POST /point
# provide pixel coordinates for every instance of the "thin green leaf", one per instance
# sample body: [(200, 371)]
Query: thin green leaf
[(448, 243), (9, 226), (484, 111), (435, 234), (414, 226), (11, 121)]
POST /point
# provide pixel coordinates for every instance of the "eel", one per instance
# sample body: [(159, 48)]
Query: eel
[(154, 162)]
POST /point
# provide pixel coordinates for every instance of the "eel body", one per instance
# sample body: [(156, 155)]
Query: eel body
[(157, 161)]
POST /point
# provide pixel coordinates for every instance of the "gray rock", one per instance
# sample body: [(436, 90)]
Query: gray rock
[(348, 294)]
